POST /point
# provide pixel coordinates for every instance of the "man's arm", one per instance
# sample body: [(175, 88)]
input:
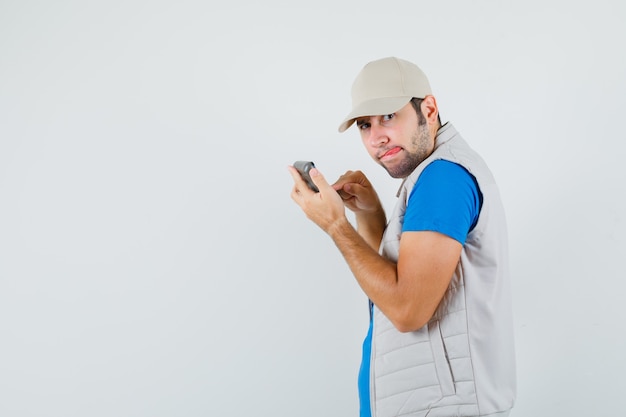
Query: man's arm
[(407, 293), (371, 227)]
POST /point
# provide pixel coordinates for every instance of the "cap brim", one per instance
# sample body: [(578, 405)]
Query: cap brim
[(376, 107)]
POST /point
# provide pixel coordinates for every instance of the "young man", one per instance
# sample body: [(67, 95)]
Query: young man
[(436, 273)]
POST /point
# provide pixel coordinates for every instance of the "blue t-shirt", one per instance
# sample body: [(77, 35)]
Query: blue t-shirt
[(445, 199)]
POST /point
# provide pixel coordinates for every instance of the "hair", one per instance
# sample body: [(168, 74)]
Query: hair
[(417, 105)]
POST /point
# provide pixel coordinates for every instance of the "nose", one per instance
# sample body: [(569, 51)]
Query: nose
[(378, 135)]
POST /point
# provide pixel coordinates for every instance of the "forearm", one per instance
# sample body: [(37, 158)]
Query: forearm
[(371, 226), (406, 293), (376, 275)]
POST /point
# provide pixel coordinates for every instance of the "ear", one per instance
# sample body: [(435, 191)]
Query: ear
[(430, 109)]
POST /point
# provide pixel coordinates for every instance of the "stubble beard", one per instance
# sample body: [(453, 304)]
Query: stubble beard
[(420, 150)]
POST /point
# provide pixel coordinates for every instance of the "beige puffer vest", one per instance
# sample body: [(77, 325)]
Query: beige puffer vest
[(462, 363)]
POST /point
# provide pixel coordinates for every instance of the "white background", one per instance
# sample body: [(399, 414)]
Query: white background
[(152, 262)]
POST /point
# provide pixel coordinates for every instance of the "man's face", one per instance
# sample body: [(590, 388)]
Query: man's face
[(396, 141)]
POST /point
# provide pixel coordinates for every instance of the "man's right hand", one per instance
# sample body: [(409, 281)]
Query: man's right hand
[(359, 195), (357, 192)]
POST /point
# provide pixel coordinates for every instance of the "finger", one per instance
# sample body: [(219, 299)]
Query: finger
[(343, 180), (300, 184), (318, 179), (295, 191), (350, 190), (294, 174), (343, 194), (352, 193)]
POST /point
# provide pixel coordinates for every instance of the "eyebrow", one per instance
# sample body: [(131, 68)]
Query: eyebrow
[(361, 121)]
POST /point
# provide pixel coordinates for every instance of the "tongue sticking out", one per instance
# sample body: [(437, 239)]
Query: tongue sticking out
[(391, 152)]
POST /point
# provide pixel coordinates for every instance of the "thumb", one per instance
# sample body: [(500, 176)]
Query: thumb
[(318, 179)]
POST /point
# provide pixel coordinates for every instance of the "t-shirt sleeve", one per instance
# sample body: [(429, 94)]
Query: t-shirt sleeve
[(445, 199)]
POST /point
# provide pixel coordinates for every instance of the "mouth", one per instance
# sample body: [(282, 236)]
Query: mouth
[(389, 153)]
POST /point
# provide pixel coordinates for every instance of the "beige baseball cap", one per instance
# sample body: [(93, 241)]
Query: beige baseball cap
[(385, 86)]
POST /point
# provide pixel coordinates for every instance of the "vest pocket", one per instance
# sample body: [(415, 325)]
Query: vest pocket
[(440, 357)]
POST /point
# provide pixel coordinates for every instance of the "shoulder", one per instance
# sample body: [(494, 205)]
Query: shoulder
[(442, 169), (443, 177), (446, 199)]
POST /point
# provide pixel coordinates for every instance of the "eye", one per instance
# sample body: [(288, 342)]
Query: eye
[(388, 117), (363, 125)]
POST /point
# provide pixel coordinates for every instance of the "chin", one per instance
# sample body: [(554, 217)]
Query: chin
[(396, 173), (401, 170)]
